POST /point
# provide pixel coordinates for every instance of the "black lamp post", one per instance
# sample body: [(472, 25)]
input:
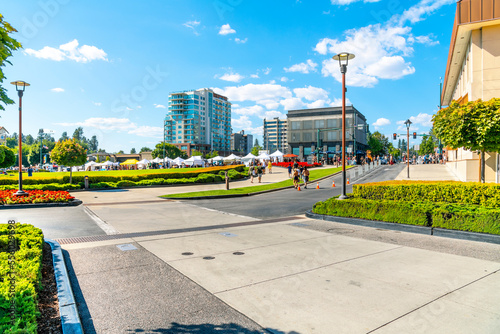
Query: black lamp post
[(20, 86), (343, 59), (408, 123)]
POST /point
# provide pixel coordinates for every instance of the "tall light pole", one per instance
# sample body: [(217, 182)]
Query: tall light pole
[(408, 123), (343, 59), (20, 86)]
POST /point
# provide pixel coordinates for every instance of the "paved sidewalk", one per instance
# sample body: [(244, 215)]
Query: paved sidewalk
[(427, 172)]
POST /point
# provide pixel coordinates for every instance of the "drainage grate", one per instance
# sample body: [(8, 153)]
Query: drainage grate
[(208, 258), (95, 238), (187, 253), (238, 253), (132, 202), (126, 247), (298, 224)]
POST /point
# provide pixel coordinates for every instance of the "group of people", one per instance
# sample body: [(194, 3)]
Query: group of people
[(258, 168), (298, 173)]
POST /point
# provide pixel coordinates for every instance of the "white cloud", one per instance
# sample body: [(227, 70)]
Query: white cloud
[(120, 125), (57, 90), (292, 103), (233, 77), (311, 93), (241, 123), (422, 119), (97, 104), (337, 102), (255, 110), (270, 114), (240, 41), (160, 106), (266, 71), (192, 25), (381, 122), (284, 79), (424, 7), (255, 92), (317, 104), (390, 68), (255, 76), (270, 104), (348, 2), (306, 67), (70, 50), (226, 29)]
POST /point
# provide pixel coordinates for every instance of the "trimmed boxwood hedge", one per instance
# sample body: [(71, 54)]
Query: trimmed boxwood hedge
[(487, 195), (28, 261)]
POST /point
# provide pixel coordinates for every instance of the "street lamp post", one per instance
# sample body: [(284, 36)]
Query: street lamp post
[(408, 123), (20, 86), (343, 59)]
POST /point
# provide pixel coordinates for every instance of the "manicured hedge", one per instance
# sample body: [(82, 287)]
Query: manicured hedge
[(28, 263), (50, 186), (487, 195), (463, 217)]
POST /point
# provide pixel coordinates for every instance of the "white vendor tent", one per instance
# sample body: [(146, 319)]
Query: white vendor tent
[(232, 157), (107, 163), (158, 160), (217, 158), (249, 158), (278, 155), (143, 162), (91, 165), (178, 161), (263, 156), (195, 160)]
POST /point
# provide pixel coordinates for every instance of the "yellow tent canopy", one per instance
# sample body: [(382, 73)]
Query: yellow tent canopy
[(130, 162)]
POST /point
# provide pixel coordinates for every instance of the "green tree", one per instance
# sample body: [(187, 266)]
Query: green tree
[(196, 152), (29, 140), (132, 151), (255, 150), (256, 142), (121, 152), (145, 149), (11, 142), (93, 144), (474, 126), (427, 145), (213, 154), (69, 153), (395, 152), (9, 157), (64, 136), (78, 133), (2, 154), (378, 143), (171, 151), (7, 46)]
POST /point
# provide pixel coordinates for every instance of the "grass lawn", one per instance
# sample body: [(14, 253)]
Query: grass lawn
[(51, 175), (314, 175)]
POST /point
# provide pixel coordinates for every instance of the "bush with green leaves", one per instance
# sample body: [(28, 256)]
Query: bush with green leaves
[(28, 264)]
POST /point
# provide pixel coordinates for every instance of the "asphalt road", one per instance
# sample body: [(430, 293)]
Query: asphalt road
[(291, 202)]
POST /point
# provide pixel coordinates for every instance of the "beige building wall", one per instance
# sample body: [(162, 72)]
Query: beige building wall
[(479, 79)]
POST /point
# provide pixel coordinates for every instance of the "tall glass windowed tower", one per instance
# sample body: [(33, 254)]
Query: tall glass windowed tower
[(200, 119)]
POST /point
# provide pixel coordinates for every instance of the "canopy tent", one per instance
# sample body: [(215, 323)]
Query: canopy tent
[(107, 163), (130, 162), (195, 160), (249, 158), (143, 162), (263, 156), (158, 160), (277, 155), (231, 157), (177, 161), (217, 158)]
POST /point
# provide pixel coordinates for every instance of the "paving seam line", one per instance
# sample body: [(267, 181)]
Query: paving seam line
[(107, 228), (432, 301), (70, 320), (432, 231), (311, 269)]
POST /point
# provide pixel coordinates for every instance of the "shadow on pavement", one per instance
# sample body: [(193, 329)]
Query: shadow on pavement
[(208, 329), (83, 310)]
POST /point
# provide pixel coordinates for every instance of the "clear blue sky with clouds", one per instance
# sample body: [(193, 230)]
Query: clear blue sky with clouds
[(109, 66)]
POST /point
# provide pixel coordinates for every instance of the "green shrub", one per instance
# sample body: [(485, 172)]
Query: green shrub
[(28, 261), (50, 186), (487, 195), (471, 218), (125, 183), (389, 211), (205, 178)]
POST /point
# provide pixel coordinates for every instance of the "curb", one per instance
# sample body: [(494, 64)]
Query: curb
[(434, 231), (74, 202), (70, 320), (249, 194)]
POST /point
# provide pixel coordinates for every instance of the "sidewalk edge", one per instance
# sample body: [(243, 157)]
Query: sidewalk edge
[(70, 320)]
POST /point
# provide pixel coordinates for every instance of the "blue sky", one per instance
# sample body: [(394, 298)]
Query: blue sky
[(109, 66)]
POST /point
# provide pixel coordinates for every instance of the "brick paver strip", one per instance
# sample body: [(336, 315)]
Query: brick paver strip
[(77, 240)]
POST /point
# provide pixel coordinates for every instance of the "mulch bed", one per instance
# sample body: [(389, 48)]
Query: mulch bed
[(49, 321)]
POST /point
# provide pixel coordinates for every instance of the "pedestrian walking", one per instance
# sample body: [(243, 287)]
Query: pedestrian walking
[(305, 174), (270, 166), (295, 178), (290, 170), (259, 172), (252, 173)]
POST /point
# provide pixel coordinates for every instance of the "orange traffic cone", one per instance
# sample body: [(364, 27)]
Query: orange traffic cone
[(333, 184), (347, 181), (317, 185), (298, 187)]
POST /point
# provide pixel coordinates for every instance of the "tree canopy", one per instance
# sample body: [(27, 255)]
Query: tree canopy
[(9, 157), (171, 151), (8, 44), (427, 145), (69, 153), (378, 143)]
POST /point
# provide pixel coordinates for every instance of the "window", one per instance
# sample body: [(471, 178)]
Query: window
[(319, 123), (331, 135), (307, 150), (295, 125), (307, 125), (307, 136), (332, 123), (295, 137), (296, 150)]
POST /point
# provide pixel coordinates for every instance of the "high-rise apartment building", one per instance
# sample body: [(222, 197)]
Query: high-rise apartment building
[(241, 142), (275, 135), (200, 119)]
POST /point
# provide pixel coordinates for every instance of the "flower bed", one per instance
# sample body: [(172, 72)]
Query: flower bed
[(34, 196), (305, 164)]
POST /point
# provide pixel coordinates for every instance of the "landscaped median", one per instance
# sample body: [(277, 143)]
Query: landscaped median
[(451, 205), (313, 176), (20, 277), (124, 178)]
